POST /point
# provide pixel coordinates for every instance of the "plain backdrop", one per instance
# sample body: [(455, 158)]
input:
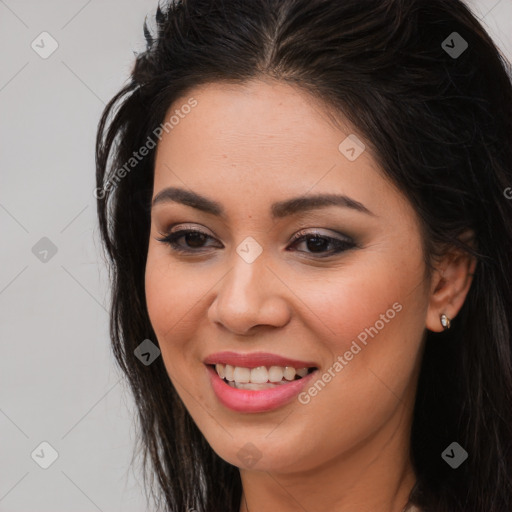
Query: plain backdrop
[(58, 381)]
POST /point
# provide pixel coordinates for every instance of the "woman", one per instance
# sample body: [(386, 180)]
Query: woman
[(304, 204)]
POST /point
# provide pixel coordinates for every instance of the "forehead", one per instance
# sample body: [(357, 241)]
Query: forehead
[(245, 119), (263, 141)]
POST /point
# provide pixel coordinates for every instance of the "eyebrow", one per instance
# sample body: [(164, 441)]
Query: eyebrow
[(278, 210)]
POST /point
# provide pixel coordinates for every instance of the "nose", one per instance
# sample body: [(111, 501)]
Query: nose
[(250, 295)]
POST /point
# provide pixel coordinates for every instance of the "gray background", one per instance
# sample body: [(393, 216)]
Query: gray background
[(58, 382)]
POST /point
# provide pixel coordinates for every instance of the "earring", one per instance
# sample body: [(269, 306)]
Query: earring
[(445, 322)]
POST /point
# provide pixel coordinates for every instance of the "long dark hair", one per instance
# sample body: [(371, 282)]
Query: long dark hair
[(438, 116)]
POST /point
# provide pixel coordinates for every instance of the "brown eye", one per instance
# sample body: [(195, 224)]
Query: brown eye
[(318, 244), (193, 238)]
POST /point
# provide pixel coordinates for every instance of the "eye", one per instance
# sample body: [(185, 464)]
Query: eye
[(317, 242), (194, 238)]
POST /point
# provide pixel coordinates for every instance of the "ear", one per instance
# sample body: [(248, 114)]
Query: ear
[(450, 285)]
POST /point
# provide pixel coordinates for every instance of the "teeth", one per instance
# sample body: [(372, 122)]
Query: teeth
[(289, 373), (302, 372), (276, 373), (255, 387), (220, 370), (259, 375), (241, 374), (228, 372)]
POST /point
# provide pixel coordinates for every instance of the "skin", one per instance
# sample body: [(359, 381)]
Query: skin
[(247, 147)]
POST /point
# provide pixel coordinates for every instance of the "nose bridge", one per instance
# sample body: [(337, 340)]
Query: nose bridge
[(242, 286), (249, 294)]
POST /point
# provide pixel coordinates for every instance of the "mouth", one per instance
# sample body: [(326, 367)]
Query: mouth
[(260, 377), (258, 382)]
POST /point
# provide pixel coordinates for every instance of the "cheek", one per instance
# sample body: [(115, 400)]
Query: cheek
[(371, 324), (173, 297), (380, 295), (371, 321)]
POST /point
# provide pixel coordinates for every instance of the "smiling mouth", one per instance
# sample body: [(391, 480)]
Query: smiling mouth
[(261, 377)]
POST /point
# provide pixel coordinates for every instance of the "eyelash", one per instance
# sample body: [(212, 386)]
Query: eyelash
[(341, 245)]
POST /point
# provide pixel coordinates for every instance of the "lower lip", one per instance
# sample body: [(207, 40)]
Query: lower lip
[(246, 400)]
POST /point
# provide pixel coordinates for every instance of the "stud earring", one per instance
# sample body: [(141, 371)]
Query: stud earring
[(445, 322)]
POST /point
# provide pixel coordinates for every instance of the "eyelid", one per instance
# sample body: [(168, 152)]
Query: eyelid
[(316, 232), (187, 225), (340, 241), (299, 234)]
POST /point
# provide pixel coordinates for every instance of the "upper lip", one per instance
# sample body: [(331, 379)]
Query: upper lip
[(256, 359)]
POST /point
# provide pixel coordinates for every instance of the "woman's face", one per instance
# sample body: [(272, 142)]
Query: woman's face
[(349, 297)]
